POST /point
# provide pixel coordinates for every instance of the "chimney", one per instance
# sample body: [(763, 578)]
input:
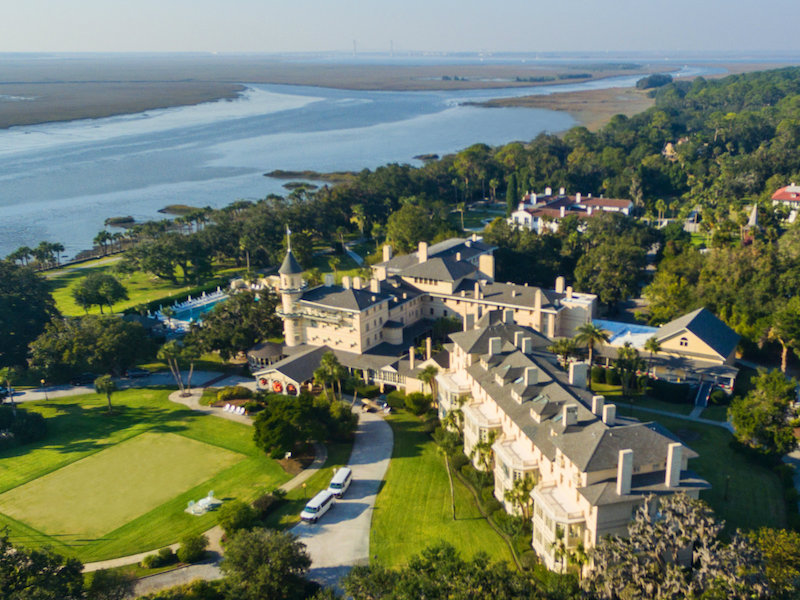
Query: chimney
[(569, 292), (578, 198), (477, 291), (569, 414), (588, 195), (518, 338), (474, 237), (458, 256), (387, 252), (357, 283), (428, 347), (486, 265), (563, 211), (624, 472), (610, 414), (328, 279), (346, 282), (374, 286), (577, 374), (561, 191), (527, 345), (560, 283), (597, 405), (469, 322), (589, 211), (422, 252), (513, 293), (531, 376), (537, 300), (508, 316), (674, 457), (495, 344), (548, 191), (380, 273), (411, 358), (533, 198)]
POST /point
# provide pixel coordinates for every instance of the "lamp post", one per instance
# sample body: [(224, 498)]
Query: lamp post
[(44, 389), (304, 492)]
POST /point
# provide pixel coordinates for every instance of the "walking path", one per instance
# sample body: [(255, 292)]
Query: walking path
[(691, 417), (340, 540)]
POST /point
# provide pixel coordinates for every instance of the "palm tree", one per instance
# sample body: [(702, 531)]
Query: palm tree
[(102, 239), (591, 335), (564, 348), (333, 262), (428, 377), (333, 369), (653, 346), (105, 385), (322, 377), (520, 494), (169, 353), (359, 218), (493, 185), (483, 450), (661, 206)]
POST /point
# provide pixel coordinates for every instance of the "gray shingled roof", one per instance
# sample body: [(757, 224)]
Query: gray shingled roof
[(335, 296), (511, 294), (299, 367), (448, 248), (440, 269), (605, 492), (476, 341), (290, 265), (705, 325)]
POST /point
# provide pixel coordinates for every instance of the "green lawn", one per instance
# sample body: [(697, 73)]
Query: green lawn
[(101, 486), (614, 394), (715, 413), (474, 218), (413, 507), (755, 496)]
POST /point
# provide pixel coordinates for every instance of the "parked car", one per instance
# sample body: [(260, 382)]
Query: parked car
[(136, 372), (340, 482), (83, 379), (318, 506)]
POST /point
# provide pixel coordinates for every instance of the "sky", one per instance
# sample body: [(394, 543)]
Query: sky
[(410, 25)]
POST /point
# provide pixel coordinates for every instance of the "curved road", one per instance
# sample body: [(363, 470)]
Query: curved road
[(340, 540)]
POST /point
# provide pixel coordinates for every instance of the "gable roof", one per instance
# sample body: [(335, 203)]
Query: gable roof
[(467, 247), (705, 325), (790, 193)]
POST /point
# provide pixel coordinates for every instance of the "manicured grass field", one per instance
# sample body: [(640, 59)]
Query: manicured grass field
[(754, 494), (107, 489), (174, 454), (614, 394), (413, 509)]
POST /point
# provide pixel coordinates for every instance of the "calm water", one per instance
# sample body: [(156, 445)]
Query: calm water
[(60, 181)]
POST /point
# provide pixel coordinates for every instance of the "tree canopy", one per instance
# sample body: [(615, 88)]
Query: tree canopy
[(26, 307)]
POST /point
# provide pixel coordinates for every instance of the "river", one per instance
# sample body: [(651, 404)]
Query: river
[(60, 181)]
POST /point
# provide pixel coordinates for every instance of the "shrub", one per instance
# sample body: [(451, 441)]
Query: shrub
[(719, 397), (396, 399), (459, 461), (22, 428), (266, 502), (431, 424), (162, 558), (612, 377), (492, 506), (598, 375), (487, 494), (368, 391), (253, 406), (236, 515), (677, 393), (418, 403), (235, 392), (528, 560), (193, 548)]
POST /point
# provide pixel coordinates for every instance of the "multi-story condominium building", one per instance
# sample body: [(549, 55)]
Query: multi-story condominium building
[(543, 212), (591, 467)]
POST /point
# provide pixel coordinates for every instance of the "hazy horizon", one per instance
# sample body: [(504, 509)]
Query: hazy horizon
[(443, 26)]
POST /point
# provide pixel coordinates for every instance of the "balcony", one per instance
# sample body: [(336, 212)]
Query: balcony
[(558, 503)]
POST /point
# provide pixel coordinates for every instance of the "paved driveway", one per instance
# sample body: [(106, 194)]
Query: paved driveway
[(340, 540)]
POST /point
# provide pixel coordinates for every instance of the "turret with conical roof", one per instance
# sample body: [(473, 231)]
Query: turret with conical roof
[(292, 287)]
